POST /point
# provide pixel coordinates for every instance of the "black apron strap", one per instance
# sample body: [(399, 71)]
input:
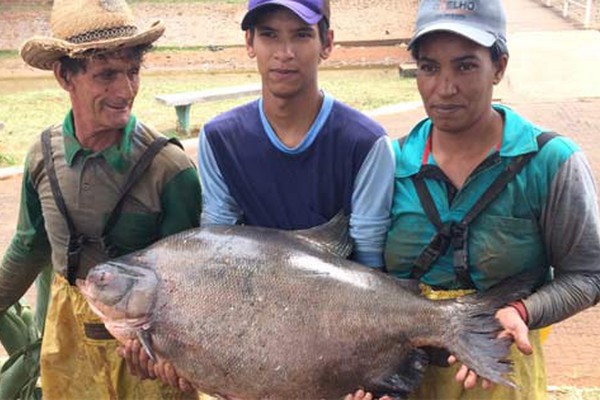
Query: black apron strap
[(136, 173), (76, 240), (457, 233), (440, 242)]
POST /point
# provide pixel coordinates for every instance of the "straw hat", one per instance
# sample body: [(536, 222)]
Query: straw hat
[(79, 26)]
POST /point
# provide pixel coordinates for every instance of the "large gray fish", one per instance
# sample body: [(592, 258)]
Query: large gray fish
[(255, 313)]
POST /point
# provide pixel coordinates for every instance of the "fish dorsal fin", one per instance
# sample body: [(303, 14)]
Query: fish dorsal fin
[(333, 237)]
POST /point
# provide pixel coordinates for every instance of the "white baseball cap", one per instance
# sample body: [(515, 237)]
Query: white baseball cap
[(482, 21)]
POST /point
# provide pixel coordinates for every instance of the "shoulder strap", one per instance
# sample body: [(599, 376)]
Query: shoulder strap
[(512, 169), (76, 240), (51, 171), (136, 173), (457, 233)]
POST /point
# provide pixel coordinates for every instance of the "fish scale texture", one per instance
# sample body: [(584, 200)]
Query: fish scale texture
[(258, 314)]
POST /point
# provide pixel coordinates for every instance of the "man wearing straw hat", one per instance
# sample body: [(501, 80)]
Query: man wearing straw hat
[(98, 185)]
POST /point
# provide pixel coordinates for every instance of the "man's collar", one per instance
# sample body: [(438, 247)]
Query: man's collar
[(115, 155)]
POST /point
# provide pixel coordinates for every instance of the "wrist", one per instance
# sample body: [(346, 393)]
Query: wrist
[(521, 310)]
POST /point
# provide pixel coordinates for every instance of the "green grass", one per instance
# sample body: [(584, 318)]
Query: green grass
[(29, 105), (8, 54)]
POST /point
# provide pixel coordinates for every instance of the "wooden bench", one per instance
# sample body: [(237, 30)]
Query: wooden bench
[(408, 70), (183, 101)]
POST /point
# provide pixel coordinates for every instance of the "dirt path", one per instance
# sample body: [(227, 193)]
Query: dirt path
[(198, 24), (216, 27)]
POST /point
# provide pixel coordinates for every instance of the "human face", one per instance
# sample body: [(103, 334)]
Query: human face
[(288, 52), (102, 94), (455, 77)]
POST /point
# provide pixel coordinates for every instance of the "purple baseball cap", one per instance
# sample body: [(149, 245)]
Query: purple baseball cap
[(310, 11), (482, 21)]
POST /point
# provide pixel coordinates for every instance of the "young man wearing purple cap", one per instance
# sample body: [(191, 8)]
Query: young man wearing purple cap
[(296, 157), (453, 181)]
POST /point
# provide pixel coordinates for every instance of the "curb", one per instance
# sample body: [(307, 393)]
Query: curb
[(10, 172)]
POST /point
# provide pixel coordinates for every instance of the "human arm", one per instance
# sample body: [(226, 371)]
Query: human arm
[(181, 202), (571, 231), (219, 207), (29, 250), (569, 224), (371, 203)]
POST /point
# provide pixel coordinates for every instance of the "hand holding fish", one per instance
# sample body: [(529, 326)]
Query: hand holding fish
[(514, 327), (141, 365), (138, 362), (362, 395), (165, 371)]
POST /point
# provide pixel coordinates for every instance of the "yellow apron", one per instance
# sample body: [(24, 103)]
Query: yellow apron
[(73, 366), (529, 371)]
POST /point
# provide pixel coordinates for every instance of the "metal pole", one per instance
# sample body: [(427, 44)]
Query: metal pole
[(566, 9), (588, 14)]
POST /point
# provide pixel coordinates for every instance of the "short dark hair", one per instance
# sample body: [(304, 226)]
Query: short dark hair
[(69, 65), (322, 25), (497, 50)]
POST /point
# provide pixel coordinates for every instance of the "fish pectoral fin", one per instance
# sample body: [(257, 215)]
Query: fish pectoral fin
[(145, 339), (407, 378)]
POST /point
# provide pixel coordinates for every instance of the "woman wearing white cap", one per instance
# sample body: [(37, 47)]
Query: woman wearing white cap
[(498, 195), (82, 201)]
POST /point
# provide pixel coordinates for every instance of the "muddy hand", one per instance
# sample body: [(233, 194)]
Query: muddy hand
[(168, 375), (513, 327), (362, 395), (138, 362)]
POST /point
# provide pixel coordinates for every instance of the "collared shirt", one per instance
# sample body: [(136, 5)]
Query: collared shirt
[(547, 216), (165, 200), (117, 156)]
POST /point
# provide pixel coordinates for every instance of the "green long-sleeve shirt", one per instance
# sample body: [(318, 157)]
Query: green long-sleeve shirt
[(166, 200)]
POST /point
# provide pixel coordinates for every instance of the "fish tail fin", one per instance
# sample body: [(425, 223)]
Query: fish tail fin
[(473, 329)]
